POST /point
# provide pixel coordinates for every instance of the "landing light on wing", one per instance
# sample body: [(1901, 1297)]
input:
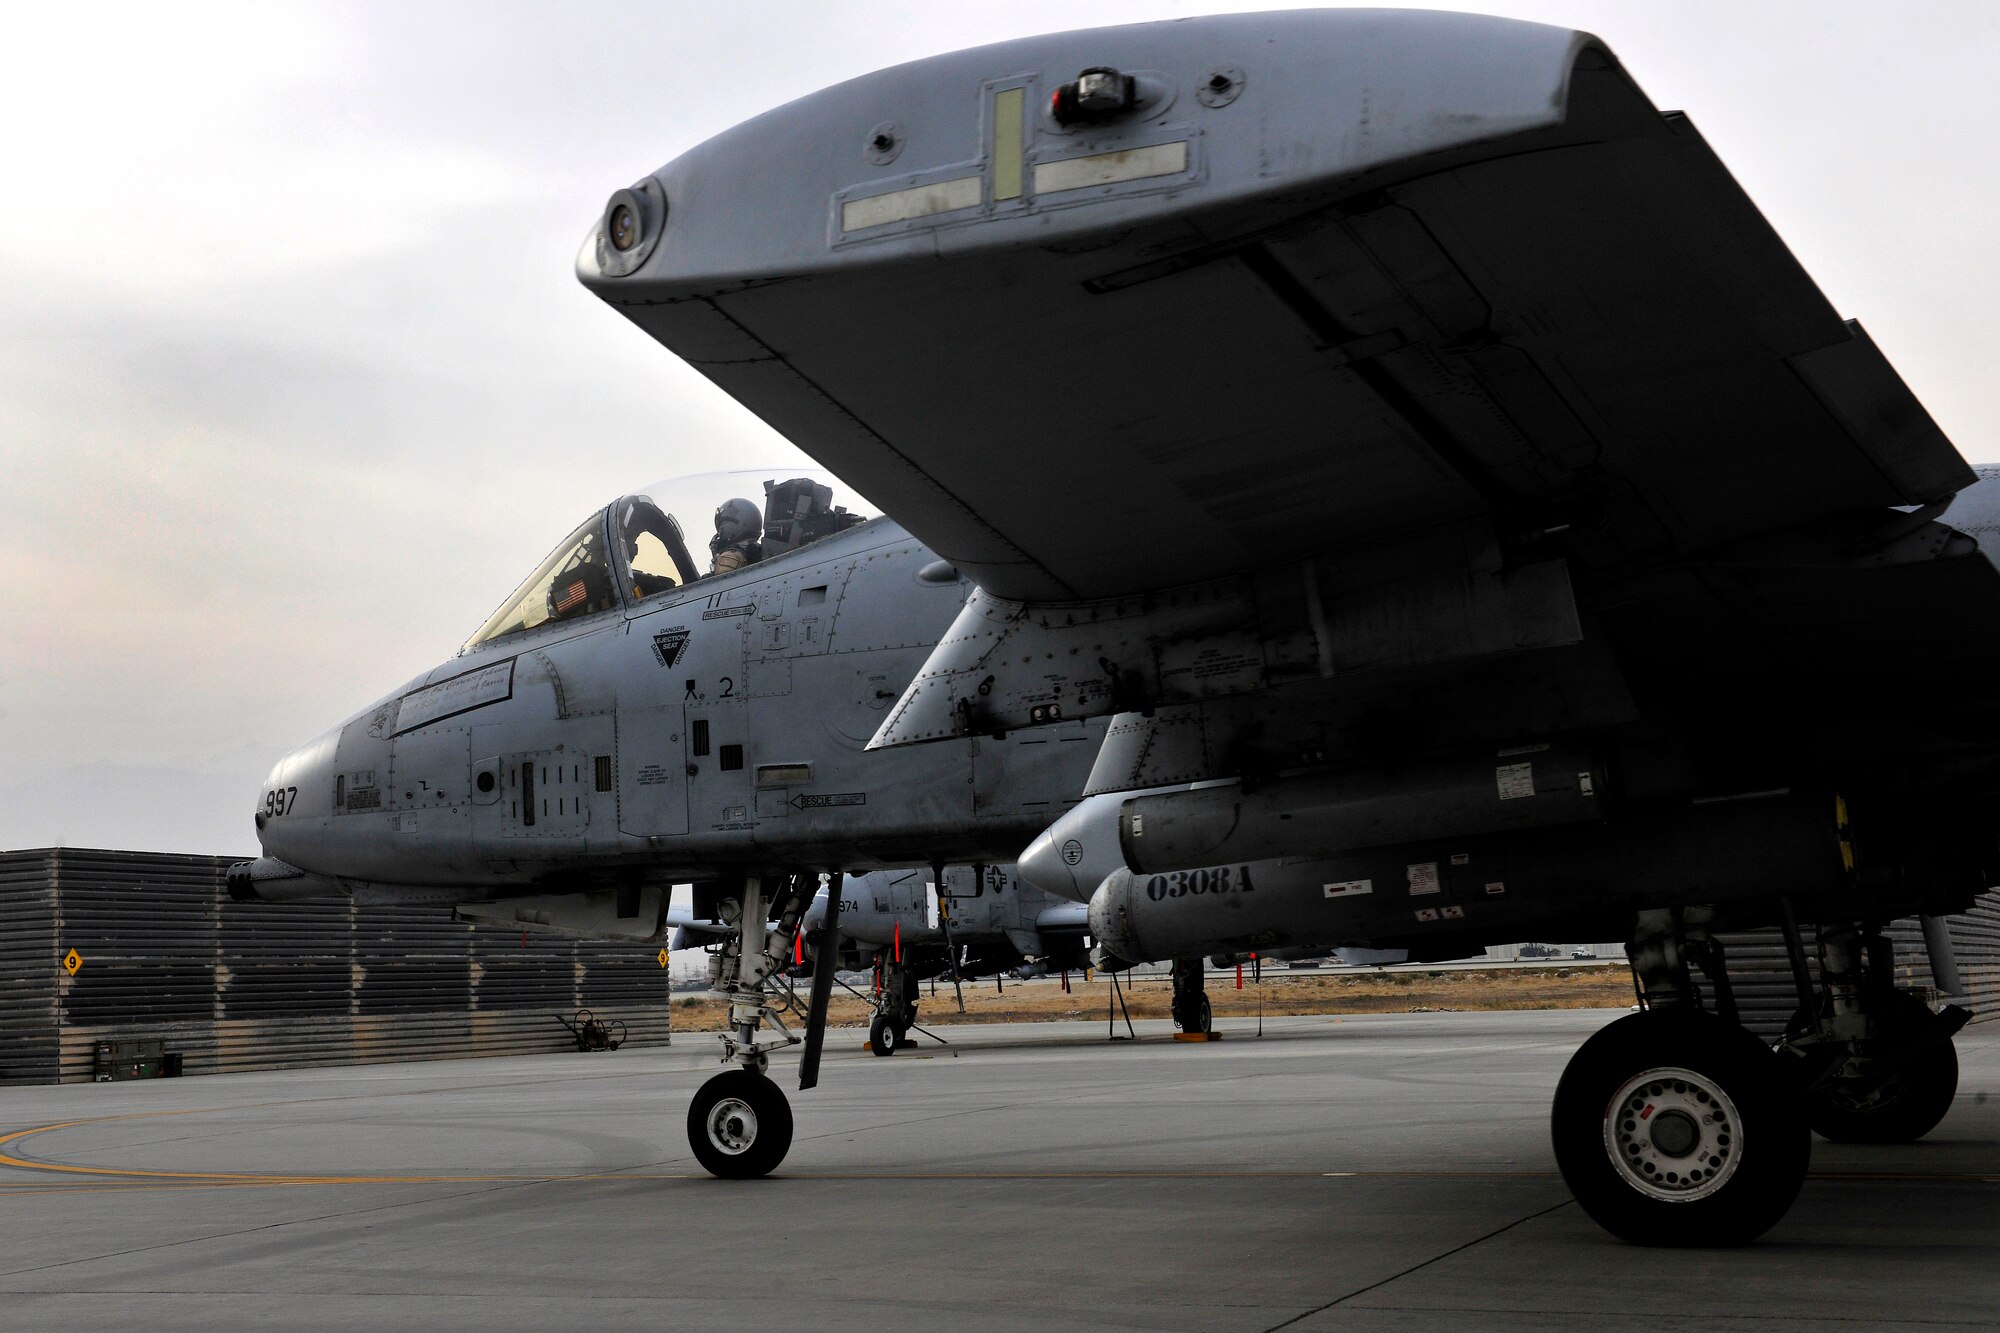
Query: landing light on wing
[(1096, 94)]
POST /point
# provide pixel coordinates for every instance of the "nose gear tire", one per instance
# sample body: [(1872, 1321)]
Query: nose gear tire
[(1675, 1128), (884, 1036), (739, 1125)]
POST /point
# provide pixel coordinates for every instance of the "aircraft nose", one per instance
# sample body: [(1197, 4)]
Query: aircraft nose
[(297, 799)]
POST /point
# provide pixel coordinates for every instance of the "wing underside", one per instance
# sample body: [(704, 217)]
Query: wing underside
[(1555, 313)]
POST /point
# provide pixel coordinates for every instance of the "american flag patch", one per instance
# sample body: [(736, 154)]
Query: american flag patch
[(572, 595)]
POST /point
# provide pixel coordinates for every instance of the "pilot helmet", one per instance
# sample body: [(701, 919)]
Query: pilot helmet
[(738, 520)]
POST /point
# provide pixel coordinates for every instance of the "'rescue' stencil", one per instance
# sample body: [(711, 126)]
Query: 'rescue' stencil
[(828, 800)]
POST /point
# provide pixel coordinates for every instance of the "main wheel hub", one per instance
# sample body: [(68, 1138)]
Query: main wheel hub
[(1673, 1134), (732, 1126)]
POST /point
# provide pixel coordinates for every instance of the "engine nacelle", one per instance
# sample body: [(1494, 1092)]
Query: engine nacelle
[(1529, 786), (1314, 815)]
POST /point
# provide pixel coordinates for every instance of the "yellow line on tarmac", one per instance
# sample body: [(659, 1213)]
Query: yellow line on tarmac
[(8, 1159)]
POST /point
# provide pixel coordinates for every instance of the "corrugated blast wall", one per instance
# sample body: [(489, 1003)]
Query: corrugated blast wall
[(237, 986), (1766, 997)]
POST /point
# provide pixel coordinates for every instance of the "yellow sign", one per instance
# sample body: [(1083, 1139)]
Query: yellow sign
[(72, 961), (664, 955)]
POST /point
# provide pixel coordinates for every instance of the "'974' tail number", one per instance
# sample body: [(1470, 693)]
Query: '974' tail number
[(1210, 879)]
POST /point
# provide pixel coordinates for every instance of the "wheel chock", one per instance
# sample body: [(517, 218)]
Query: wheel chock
[(1198, 1036)]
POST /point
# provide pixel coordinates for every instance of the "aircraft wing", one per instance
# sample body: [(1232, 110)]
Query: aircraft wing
[(1332, 277)]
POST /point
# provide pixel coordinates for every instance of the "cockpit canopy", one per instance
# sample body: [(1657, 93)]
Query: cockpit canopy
[(635, 548)]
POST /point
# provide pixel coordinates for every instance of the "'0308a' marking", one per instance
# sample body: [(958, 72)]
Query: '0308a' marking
[(1211, 879)]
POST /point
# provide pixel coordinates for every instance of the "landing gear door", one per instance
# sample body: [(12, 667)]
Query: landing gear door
[(652, 774)]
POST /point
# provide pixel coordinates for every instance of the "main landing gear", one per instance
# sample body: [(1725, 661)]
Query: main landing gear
[(1191, 1010), (740, 1124), (1676, 1126), (1877, 1063)]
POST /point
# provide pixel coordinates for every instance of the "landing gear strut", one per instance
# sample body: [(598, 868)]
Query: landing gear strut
[(1191, 1008), (1878, 1064), (740, 1124)]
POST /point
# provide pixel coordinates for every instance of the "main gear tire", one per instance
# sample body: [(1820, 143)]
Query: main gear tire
[(1905, 1102), (884, 1037), (739, 1125), (1674, 1128)]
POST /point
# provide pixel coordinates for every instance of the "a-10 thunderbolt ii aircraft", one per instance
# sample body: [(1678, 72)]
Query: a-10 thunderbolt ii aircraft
[(1396, 422), (1391, 416)]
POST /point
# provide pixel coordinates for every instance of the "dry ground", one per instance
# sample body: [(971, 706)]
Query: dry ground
[(1339, 991)]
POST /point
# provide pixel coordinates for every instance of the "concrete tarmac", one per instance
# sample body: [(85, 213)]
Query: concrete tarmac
[(1368, 1172)]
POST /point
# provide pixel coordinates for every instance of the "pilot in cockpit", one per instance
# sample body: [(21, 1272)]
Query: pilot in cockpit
[(738, 525)]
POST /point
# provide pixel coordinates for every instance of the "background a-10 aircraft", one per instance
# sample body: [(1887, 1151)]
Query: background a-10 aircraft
[(986, 921), (1363, 478), (973, 922)]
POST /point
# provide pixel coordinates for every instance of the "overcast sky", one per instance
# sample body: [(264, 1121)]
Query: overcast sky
[(296, 381)]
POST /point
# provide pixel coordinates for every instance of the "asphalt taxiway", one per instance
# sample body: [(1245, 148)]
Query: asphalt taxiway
[(1366, 1172)]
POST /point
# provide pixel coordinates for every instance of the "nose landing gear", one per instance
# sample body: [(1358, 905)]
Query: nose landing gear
[(739, 1124), (895, 1007)]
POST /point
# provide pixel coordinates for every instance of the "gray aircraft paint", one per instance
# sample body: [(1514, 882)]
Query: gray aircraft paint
[(578, 745), (1296, 429)]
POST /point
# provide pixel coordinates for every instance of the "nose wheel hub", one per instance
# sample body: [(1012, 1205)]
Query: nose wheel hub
[(732, 1126)]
